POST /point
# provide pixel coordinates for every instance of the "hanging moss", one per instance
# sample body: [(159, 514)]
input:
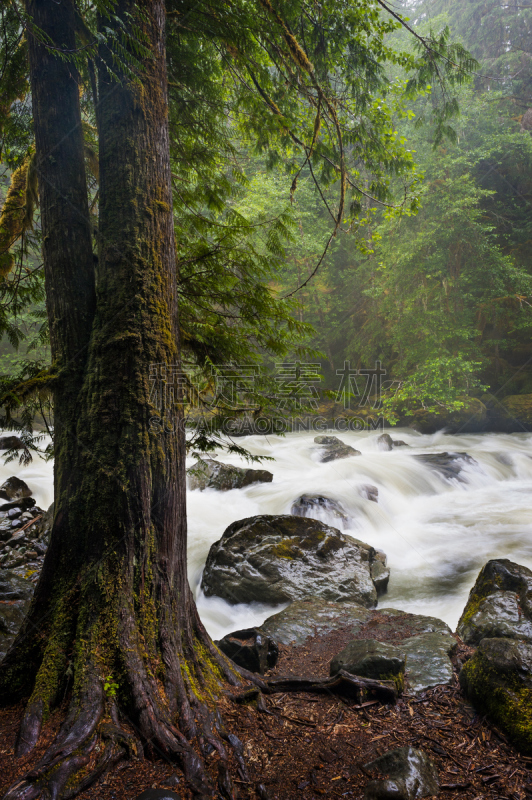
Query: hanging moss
[(17, 212)]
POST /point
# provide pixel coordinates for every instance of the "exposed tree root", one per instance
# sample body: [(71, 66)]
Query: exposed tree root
[(361, 689), (167, 698)]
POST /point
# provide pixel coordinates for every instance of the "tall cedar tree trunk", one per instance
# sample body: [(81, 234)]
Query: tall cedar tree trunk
[(113, 602)]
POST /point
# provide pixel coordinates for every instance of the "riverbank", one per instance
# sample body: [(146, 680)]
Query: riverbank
[(309, 746)]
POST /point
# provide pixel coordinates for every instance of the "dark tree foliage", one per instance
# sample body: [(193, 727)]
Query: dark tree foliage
[(113, 607)]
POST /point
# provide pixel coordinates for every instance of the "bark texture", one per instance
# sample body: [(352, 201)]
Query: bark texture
[(113, 607), (70, 289)]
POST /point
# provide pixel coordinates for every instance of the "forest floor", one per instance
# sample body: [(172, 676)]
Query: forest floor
[(311, 746)]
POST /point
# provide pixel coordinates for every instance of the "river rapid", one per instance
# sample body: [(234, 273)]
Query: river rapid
[(436, 533)]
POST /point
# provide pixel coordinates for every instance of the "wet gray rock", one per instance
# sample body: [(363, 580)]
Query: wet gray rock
[(275, 559), (448, 465), (369, 492), (499, 604), (317, 506), (380, 573), (14, 489), (15, 597), (334, 448), (370, 659), (428, 662), (40, 548), (407, 774), (209, 474), (424, 660), (250, 649), (326, 440), (385, 442), (498, 681), (314, 617), (426, 642)]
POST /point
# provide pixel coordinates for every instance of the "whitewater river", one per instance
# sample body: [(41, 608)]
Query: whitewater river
[(437, 534)]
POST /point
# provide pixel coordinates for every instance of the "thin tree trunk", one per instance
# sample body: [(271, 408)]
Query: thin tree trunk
[(70, 290)]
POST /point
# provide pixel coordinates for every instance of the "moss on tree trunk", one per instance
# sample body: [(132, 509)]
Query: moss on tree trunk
[(113, 623)]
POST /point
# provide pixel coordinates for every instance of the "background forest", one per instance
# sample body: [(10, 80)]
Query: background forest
[(433, 278)]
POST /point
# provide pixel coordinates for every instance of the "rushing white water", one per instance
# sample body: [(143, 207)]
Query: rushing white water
[(437, 533)]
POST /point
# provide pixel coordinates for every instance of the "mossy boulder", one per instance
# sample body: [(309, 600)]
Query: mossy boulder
[(210, 474), (407, 773), (472, 417), (498, 681), (276, 559), (499, 604), (422, 662), (519, 407), (333, 448), (428, 660)]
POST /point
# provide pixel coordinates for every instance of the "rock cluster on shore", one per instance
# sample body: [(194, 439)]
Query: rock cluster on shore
[(24, 535), (498, 620), (24, 527)]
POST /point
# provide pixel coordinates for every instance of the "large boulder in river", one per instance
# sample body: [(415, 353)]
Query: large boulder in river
[(426, 642), (448, 465), (275, 559), (334, 448), (209, 474), (499, 604), (498, 681)]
